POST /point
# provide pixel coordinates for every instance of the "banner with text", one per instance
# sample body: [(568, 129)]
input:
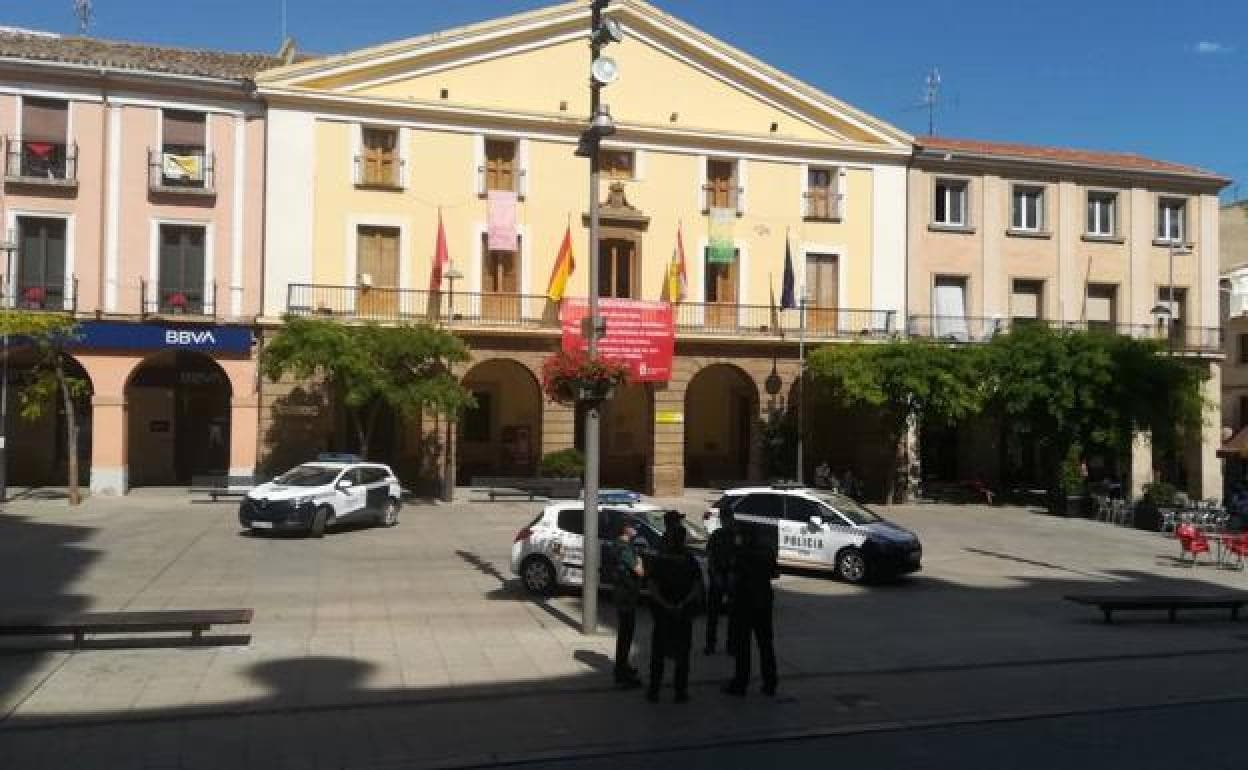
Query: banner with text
[(639, 334)]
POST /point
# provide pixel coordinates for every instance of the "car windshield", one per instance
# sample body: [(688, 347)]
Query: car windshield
[(307, 476), (850, 509)]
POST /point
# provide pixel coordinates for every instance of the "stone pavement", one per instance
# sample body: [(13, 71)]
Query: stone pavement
[(413, 645)]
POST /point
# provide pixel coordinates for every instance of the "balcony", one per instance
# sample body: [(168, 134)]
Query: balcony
[(31, 162), (972, 329), (178, 302), (485, 310), (187, 172), (51, 297), (824, 206)]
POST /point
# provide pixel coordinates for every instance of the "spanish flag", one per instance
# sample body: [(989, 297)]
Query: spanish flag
[(565, 263), (677, 282)]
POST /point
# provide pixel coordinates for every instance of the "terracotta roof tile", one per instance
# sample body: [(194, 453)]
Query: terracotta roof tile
[(1117, 160), (141, 57)]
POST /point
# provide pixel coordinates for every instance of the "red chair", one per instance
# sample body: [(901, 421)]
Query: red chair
[(1191, 541), (1237, 545)]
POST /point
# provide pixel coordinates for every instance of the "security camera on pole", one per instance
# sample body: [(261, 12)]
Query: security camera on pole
[(602, 72)]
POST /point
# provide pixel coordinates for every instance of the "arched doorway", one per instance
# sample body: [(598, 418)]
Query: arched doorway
[(502, 435), (721, 408), (627, 432), (178, 419), (44, 440)]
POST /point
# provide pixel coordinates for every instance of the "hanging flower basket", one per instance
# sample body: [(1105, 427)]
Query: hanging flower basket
[(571, 378), (177, 302)]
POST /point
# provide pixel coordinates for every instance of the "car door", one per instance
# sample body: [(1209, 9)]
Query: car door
[(803, 535), (377, 488), (570, 528), (764, 511), (352, 498), (838, 533)]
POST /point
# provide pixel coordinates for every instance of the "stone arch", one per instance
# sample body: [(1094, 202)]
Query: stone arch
[(502, 435), (178, 419), (721, 425), (44, 441)]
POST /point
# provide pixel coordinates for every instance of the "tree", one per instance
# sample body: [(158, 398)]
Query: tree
[(405, 367), (908, 381), (43, 337)]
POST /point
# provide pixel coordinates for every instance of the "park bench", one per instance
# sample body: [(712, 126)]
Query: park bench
[(531, 487), (1109, 604), (80, 624), (218, 486)]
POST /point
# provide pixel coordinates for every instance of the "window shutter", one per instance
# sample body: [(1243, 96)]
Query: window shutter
[(187, 129), (405, 140), (803, 200), (839, 191), (1025, 302), (478, 163), (45, 119), (703, 181), (522, 162), (742, 182), (1100, 308)]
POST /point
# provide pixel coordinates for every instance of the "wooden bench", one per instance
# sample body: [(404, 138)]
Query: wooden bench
[(216, 487), (1109, 604), (530, 487), (79, 625)]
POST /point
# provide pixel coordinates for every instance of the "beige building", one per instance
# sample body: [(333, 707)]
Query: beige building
[(1233, 228), (1000, 233)]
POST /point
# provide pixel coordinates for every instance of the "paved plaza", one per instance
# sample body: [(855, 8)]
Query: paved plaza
[(414, 646)]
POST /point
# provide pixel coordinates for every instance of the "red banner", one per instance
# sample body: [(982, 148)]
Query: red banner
[(639, 334)]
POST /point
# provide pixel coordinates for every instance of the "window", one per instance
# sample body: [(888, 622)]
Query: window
[(721, 184), (949, 307), (823, 200), (1243, 348), (379, 164), (618, 164), (1171, 220), (41, 263), (181, 284), (572, 521), (799, 509), (477, 419), (500, 282), (1102, 213), (950, 203), (822, 291), (1102, 307), (617, 269), (763, 505), (377, 271), (372, 475), (1175, 299), (44, 151), (721, 289), (1027, 300), (182, 152), (1027, 208), (500, 165)]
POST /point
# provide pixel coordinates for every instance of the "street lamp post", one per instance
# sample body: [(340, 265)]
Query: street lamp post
[(602, 72), (801, 379), (448, 461), (8, 247)]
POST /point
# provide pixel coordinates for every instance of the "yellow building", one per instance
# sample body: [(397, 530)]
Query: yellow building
[(367, 150)]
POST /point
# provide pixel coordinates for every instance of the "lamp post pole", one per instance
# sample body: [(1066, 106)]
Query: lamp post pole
[(8, 246), (801, 379), (448, 461)]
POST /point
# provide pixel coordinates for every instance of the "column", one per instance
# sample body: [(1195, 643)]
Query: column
[(244, 432), (558, 427), (667, 465), (108, 445), (1204, 467), (1141, 471)]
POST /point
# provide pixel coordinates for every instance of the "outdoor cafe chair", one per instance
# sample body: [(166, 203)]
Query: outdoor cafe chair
[(1237, 545), (1191, 542)]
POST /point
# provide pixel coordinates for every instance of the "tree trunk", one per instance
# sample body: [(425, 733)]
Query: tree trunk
[(71, 429), (364, 428)]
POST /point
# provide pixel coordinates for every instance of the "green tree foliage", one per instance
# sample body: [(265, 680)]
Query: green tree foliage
[(405, 367), (41, 338), (906, 381)]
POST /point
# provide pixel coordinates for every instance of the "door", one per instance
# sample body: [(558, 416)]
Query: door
[(822, 287), (721, 292), (949, 309), (571, 537), (617, 274), (764, 512), (181, 269), (377, 271), (377, 489), (500, 283), (41, 264), (352, 501), (801, 539)]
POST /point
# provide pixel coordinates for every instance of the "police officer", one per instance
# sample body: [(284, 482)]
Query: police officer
[(752, 603), (627, 575), (719, 562), (675, 589)]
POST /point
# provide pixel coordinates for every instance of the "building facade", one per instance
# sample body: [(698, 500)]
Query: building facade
[(1233, 236), (1003, 233), (132, 198), (370, 150)]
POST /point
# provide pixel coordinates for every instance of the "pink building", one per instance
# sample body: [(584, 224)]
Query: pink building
[(133, 197)]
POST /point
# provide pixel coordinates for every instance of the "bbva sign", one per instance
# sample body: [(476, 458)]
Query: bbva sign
[(188, 337)]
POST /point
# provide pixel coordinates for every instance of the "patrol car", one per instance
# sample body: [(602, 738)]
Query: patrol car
[(550, 552), (820, 530), (315, 496)]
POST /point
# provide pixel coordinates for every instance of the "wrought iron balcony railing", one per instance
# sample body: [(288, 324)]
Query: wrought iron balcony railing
[(181, 170), (977, 329), (177, 301), (49, 296), (529, 311), (41, 162)]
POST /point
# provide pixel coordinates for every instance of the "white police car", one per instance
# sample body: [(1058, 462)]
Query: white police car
[(314, 496), (821, 530), (550, 552)]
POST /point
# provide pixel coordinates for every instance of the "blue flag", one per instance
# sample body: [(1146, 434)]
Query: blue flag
[(788, 296)]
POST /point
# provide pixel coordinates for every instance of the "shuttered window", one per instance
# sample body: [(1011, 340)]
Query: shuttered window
[(183, 130), (500, 165), (181, 268), (378, 257), (380, 161), (1026, 300), (721, 184), (45, 120), (822, 199), (41, 262), (1102, 304)]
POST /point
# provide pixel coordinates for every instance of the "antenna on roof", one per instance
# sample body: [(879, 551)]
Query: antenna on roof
[(284, 36), (82, 9), (931, 97)]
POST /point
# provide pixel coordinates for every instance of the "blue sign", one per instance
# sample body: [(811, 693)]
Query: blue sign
[(159, 336)]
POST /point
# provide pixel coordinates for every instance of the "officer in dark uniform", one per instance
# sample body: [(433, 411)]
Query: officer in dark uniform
[(675, 581), (719, 561), (752, 603), (628, 572)]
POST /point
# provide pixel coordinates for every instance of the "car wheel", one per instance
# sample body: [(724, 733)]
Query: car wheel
[(538, 576), (389, 515), (851, 565), (323, 518)]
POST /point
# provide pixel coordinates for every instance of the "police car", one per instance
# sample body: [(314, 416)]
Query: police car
[(821, 530), (550, 552), (315, 496)]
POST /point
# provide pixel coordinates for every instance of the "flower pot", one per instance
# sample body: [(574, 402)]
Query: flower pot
[(595, 392)]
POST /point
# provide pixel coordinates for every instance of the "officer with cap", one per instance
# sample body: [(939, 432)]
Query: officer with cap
[(628, 572)]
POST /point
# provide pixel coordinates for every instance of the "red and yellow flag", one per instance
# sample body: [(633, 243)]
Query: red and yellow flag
[(677, 282), (565, 263)]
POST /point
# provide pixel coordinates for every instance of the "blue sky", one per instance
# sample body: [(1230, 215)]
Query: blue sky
[(1163, 79)]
